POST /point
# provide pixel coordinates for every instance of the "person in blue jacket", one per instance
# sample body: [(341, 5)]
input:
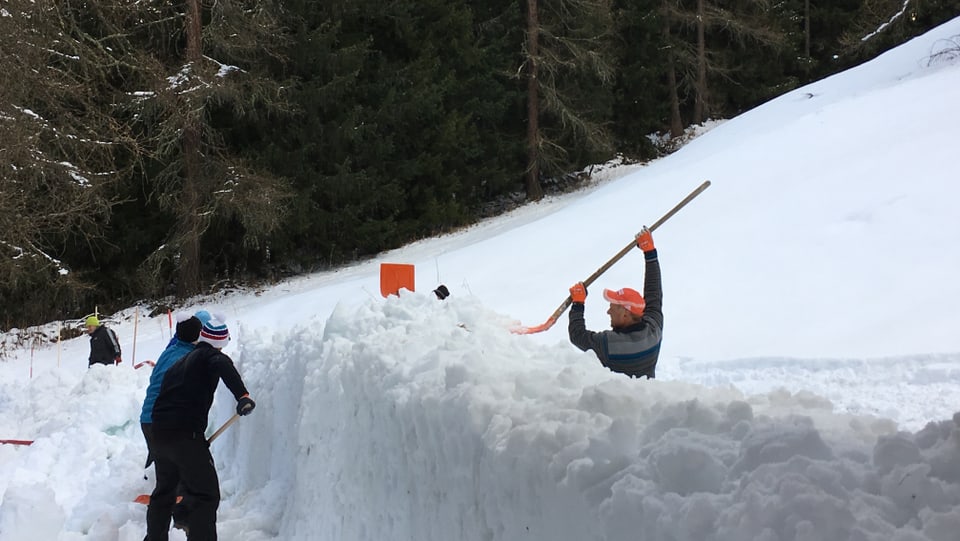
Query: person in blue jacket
[(183, 342)]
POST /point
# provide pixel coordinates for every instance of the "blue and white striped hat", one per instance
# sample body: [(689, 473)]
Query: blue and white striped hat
[(215, 333)]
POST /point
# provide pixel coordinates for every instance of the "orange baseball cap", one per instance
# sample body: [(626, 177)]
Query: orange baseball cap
[(631, 299)]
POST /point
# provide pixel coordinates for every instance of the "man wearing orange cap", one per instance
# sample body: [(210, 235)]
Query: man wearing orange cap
[(633, 346)]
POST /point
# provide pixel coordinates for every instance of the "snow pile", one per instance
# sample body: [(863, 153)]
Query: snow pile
[(83, 467), (415, 419)]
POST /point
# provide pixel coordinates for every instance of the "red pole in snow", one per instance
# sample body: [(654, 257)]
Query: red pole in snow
[(16, 442)]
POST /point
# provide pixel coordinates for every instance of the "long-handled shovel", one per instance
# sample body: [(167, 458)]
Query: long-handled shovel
[(633, 243), (145, 498)]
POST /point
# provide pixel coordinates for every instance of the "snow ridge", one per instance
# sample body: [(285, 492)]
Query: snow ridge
[(414, 419)]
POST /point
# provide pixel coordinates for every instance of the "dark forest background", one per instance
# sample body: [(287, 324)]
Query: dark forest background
[(157, 150)]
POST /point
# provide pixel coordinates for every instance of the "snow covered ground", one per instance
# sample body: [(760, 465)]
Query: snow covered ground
[(807, 385)]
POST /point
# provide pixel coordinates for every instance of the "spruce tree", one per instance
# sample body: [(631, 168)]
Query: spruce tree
[(568, 68)]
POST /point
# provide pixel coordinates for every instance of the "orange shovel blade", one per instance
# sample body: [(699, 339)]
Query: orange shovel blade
[(145, 499), (536, 328)]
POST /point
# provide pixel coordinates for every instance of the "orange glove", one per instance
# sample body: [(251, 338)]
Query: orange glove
[(578, 293), (645, 240)]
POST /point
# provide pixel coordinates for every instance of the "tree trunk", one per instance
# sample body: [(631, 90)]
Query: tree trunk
[(806, 29), (533, 188), (188, 271), (676, 123), (699, 108), (194, 30)]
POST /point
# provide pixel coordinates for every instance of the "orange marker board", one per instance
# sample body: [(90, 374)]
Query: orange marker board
[(394, 276)]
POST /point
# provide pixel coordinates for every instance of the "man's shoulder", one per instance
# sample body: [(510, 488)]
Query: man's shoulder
[(176, 351), (100, 332), (209, 353), (220, 357)]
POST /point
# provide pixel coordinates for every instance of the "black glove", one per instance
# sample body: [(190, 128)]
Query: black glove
[(245, 405)]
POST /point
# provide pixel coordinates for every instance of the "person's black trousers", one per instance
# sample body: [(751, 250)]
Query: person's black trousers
[(183, 458)]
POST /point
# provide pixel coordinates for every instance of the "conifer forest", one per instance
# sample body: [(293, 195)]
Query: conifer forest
[(157, 150)]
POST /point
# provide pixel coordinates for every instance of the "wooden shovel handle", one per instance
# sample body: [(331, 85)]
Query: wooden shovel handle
[(223, 427)]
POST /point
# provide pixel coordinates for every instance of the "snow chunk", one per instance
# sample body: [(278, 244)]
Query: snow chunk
[(30, 512), (225, 70), (175, 81)]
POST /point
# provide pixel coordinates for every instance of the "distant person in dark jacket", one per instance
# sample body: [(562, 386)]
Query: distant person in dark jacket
[(632, 347), (104, 346), (180, 449)]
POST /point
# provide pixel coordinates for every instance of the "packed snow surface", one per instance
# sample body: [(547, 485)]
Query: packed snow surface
[(806, 391)]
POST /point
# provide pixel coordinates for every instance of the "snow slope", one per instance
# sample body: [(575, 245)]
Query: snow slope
[(808, 377)]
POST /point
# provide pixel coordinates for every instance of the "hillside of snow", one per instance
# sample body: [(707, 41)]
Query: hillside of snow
[(808, 380)]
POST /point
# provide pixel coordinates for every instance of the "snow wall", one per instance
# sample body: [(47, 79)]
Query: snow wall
[(416, 419)]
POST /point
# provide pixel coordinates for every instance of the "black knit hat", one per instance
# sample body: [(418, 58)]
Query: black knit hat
[(188, 330), (442, 292)]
